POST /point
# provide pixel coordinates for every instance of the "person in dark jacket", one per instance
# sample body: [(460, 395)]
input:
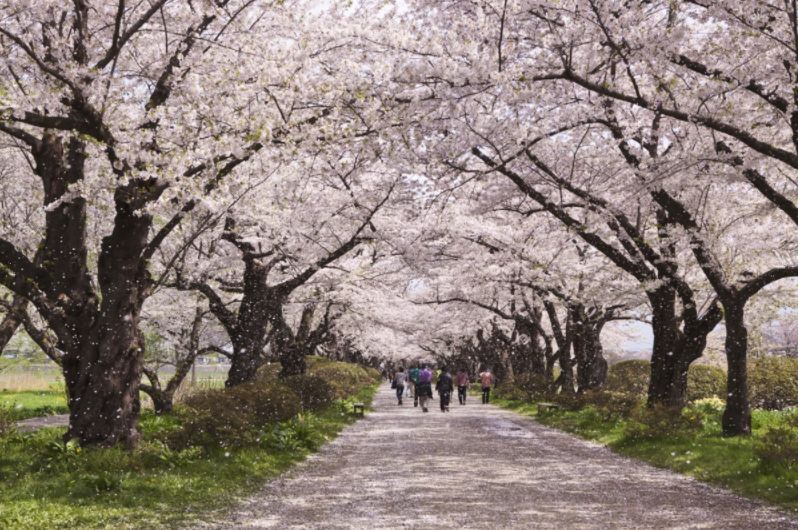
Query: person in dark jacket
[(444, 386), (424, 387), (398, 383)]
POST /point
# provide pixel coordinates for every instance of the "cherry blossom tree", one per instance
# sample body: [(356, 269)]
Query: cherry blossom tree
[(132, 116)]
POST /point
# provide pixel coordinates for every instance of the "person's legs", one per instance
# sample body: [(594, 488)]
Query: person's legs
[(461, 394), (446, 398), (485, 393), (399, 391), (423, 399), (442, 399), (415, 398)]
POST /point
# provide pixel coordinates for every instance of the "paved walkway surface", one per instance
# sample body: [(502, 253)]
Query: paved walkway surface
[(483, 467), (34, 424)]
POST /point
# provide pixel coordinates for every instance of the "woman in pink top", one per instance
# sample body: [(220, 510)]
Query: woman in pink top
[(486, 379), (461, 380)]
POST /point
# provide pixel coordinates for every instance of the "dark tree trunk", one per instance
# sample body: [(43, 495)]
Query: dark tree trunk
[(663, 356), (163, 403), (12, 320), (737, 416), (293, 362), (578, 343), (103, 387), (566, 378), (103, 371), (257, 312), (594, 372), (244, 364), (690, 347)]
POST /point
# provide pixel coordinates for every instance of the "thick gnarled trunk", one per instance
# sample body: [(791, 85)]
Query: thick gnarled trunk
[(103, 368), (244, 364), (737, 416), (103, 390), (664, 356)]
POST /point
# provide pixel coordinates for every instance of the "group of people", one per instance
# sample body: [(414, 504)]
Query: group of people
[(417, 383)]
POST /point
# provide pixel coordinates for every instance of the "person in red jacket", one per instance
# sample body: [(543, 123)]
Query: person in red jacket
[(486, 380), (462, 380)]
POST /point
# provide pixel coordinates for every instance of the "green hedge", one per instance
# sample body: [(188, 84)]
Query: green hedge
[(237, 416), (703, 381), (773, 382)]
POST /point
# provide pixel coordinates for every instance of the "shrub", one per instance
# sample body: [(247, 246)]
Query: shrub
[(535, 386), (773, 383), (525, 387), (344, 378), (704, 381), (570, 401), (507, 390), (661, 422), (633, 376), (612, 404), (709, 408), (6, 421), (232, 416), (313, 391), (779, 445), (629, 376)]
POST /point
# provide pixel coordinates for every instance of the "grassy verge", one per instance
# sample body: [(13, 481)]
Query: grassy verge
[(45, 484), (705, 454), (32, 403)]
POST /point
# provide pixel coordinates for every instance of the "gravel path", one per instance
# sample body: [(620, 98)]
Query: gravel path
[(483, 467), (34, 424)]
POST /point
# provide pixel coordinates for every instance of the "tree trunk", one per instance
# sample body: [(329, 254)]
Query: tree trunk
[(690, 347), (579, 346), (162, 402), (596, 367), (663, 355), (293, 362), (737, 416), (566, 366), (244, 365), (103, 387), (104, 372), (11, 321)]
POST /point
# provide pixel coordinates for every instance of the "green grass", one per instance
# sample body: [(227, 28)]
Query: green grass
[(44, 484), (730, 462), (32, 403)]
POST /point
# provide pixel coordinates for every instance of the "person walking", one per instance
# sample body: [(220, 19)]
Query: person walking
[(399, 384), (486, 380), (444, 386), (424, 387), (462, 380), (412, 377)]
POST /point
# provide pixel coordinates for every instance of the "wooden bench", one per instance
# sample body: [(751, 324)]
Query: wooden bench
[(545, 407), (359, 409)]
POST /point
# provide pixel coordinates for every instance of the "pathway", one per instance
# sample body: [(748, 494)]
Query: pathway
[(40, 422), (483, 467)]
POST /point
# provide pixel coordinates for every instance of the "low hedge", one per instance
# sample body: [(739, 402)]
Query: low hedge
[(232, 416), (629, 376), (525, 387), (314, 392), (239, 416), (703, 381), (773, 382)]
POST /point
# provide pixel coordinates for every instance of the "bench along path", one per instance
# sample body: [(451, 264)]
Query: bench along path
[(483, 467)]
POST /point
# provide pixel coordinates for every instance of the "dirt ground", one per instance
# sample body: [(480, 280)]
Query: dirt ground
[(482, 467)]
